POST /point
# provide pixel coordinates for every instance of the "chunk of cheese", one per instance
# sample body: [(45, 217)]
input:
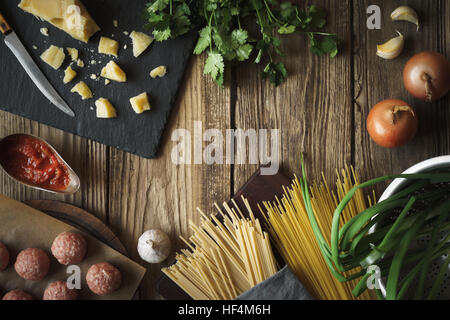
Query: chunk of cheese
[(140, 103), (44, 31), (141, 41), (73, 53), (158, 72), (69, 15), (105, 109), (69, 75), (54, 57), (113, 72), (83, 90), (108, 46)]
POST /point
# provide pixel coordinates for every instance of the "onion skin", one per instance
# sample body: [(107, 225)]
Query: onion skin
[(427, 76), (392, 123)]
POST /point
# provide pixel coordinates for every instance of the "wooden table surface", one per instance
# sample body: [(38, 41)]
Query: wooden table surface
[(321, 111)]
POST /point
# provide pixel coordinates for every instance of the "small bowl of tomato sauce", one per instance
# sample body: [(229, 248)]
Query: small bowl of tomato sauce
[(33, 162)]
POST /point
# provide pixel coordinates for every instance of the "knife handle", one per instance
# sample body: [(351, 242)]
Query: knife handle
[(4, 26)]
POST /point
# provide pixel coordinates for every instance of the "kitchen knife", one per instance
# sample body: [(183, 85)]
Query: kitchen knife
[(39, 79)]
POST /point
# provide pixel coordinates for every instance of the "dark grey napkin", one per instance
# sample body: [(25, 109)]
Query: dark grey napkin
[(283, 285)]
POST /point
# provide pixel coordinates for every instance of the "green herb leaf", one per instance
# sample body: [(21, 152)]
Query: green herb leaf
[(158, 5), (161, 35), (287, 10), (215, 66), (244, 51), (275, 72), (204, 40), (240, 36), (286, 29), (324, 44), (318, 17)]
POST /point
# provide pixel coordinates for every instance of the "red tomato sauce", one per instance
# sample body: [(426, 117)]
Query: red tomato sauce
[(33, 162)]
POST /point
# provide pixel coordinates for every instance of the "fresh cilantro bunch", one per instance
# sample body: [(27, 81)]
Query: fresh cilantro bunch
[(224, 31)]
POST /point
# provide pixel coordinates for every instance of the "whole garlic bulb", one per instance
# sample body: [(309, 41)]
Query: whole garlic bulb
[(154, 246)]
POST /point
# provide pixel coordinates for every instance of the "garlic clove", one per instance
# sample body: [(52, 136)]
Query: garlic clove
[(392, 48), (405, 13), (154, 246)]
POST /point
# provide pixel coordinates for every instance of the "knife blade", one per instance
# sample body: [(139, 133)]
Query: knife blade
[(15, 45)]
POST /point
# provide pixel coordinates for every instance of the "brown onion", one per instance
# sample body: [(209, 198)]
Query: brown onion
[(392, 123), (427, 76)]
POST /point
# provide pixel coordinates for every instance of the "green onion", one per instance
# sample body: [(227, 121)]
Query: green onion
[(352, 246)]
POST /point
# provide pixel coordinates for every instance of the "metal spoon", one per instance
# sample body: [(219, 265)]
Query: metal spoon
[(74, 180)]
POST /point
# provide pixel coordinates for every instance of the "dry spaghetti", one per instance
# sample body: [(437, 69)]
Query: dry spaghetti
[(226, 256), (293, 235)]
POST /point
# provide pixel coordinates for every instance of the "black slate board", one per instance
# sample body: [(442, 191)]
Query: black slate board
[(138, 134)]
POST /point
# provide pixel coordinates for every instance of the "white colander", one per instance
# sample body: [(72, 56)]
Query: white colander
[(396, 185)]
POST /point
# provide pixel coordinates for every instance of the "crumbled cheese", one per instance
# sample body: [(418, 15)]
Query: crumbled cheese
[(83, 90), (125, 47), (107, 81), (93, 62), (35, 48), (44, 31), (140, 103), (69, 75), (113, 72), (115, 23), (158, 72), (54, 57), (108, 46), (73, 53), (105, 109), (93, 76), (80, 63), (141, 41), (126, 33)]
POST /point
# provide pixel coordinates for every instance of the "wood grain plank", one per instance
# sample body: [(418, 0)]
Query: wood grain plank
[(312, 109), (146, 194), (377, 79), (87, 158)]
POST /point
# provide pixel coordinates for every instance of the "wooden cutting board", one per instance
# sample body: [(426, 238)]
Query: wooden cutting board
[(138, 134), (81, 220), (25, 227), (257, 190)]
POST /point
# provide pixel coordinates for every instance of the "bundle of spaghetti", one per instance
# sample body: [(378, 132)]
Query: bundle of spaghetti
[(293, 235), (226, 256)]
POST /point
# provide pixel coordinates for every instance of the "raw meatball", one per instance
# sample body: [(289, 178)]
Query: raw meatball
[(103, 278), (17, 295), (4, 257), (32, 264), (58, 290), (69, 248)]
